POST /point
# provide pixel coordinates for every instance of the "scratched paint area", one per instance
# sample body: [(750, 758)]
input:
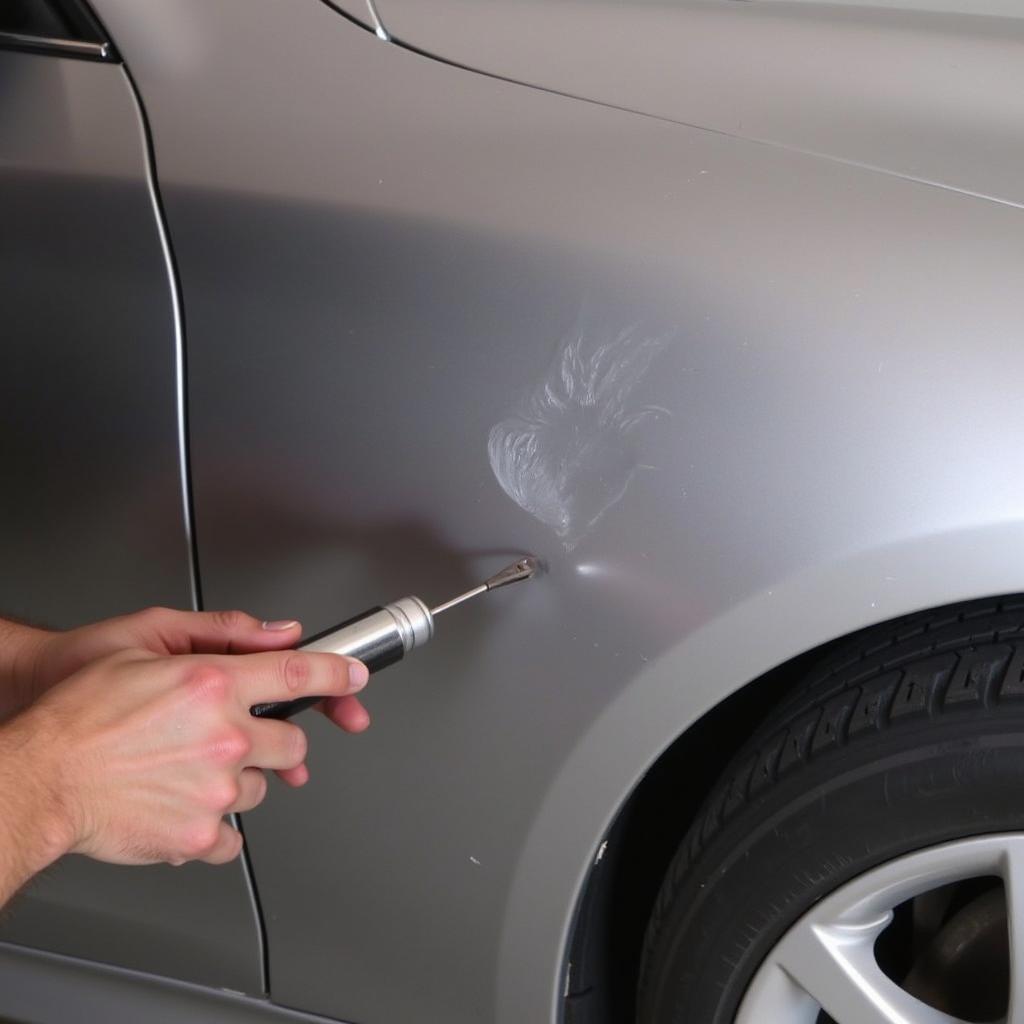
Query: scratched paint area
[(567, 451)]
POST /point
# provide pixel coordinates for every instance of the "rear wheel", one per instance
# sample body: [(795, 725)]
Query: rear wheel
[(859, 862)]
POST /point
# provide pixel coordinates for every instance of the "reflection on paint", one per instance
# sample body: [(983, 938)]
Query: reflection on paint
[(566, 453), (590, 569)]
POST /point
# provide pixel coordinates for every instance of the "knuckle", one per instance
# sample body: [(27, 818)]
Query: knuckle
[(111, 662), (208, 683), (257, 788), (230, 746), (230, 621), (298, 745), (296, 670), (223, 795), (200, 839)]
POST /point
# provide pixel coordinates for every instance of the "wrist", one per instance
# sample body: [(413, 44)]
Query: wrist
[(22, 651), (35, 827)]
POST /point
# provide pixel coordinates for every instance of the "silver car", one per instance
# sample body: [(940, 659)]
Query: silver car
[(713, 306)]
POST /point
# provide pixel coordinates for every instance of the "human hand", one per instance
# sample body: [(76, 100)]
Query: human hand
[(165, 631), (138, 756)]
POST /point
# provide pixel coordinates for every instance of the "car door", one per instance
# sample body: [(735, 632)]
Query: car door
[(93, 509)]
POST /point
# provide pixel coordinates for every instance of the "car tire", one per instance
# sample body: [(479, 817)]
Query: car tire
[(909, 736)]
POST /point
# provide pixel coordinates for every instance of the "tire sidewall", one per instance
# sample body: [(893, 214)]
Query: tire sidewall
[(815, 829)]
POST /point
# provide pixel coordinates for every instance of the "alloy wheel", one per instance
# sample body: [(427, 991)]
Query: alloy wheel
[(933, 937)]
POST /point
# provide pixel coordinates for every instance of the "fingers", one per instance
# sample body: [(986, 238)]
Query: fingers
[(220, 632), (288, 675), (294, 777), (252, 788), (227, 846), (275, 744), (347, 713)]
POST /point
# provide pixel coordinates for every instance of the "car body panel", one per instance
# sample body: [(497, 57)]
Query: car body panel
[(930, 94), (93, 513), (764, 397)]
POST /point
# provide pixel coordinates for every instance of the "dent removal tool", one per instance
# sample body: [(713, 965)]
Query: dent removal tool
[(381, 636)]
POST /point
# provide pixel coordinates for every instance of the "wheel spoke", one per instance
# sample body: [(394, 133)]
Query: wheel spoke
[(775, 996), (1013, 882), (827, 958), (836, 965)]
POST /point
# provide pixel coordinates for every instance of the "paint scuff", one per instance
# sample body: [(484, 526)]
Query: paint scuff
[(566, 453)]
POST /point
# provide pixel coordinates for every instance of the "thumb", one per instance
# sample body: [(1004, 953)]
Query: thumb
[(220, 632)]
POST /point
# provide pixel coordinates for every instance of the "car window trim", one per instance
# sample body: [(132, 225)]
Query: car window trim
[(81, 48)]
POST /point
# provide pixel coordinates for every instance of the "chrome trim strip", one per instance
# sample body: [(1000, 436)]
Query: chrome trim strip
[(378, 26), (179, 347), (255, 905), (59, 47)]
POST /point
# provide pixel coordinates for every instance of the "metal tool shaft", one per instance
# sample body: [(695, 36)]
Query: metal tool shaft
[(521, 570), (482, 589)]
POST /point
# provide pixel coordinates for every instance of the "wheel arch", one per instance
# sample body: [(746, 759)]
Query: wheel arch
[(655, 725), (605, 944), (602, 953)]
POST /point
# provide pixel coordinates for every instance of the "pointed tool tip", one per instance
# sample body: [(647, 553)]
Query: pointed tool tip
[(523, 569), (532, 566)]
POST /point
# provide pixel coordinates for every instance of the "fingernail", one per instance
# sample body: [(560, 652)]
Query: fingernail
[(357, 674), (279, 624)]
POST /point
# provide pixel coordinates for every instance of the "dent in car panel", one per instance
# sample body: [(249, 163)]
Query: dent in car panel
[(566, 453)]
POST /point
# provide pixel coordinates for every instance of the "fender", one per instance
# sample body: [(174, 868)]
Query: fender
[(795, 614)]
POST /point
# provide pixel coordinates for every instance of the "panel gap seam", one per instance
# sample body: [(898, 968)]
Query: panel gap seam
[(185, 468)]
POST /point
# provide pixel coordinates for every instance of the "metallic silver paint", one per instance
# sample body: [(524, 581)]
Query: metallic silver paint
[(91, 520), (840, 448), (46, 988), (379, 252), (926, 94)]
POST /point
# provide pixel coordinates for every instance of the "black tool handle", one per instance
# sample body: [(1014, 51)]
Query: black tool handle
[(372, 637), (283, 708)]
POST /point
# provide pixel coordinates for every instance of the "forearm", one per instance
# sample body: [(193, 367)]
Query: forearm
[(32, 833), (19, 649)]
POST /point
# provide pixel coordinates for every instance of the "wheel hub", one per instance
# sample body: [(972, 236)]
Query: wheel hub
[(964, 966)]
